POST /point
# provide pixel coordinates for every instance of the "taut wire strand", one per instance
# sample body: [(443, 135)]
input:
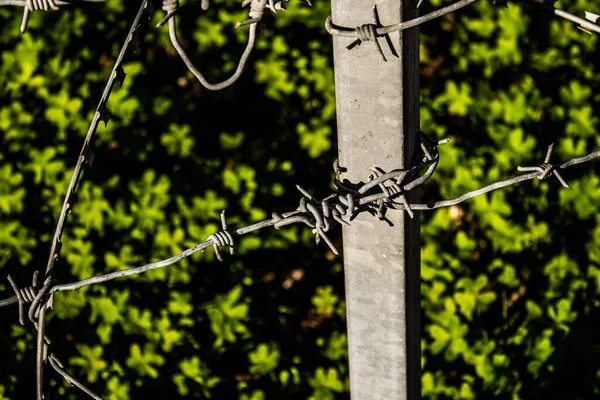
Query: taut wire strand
[(586, 24), (341, 208), (372, 31), (382, 30)]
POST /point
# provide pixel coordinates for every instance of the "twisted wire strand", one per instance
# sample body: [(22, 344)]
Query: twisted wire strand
[(375, 196), (58, 3), (364, 32), (586, 24), (383, 30), (32, 5), (58, 367), (339, 208), (343, 208)]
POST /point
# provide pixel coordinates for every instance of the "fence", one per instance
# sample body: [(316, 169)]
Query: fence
[(383, 190)]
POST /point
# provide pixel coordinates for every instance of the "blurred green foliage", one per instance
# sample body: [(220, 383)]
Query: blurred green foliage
[(510, 281)]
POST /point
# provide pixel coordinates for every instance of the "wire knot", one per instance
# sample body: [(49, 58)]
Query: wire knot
[(257, 8), (366, 32), (391, 189), (35, 294), (546, 169), (170, 7), (222, 238), (41, 5)]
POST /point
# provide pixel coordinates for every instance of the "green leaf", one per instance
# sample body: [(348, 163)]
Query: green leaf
[(144, 362), (263, 359), (325, 300)]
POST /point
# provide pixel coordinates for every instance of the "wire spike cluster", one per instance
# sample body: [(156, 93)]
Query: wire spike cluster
[(43, 5), (369, 32), (222, 238), (24, 295), (257, 9), (546, 169)]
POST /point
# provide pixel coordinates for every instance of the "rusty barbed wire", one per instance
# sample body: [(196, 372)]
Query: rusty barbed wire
[(373, 31)]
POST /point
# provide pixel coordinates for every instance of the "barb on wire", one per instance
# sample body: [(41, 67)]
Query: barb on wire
[(46, 5), (369, 32), (222, 238), (545, 169), (257, 9), (373, 31)]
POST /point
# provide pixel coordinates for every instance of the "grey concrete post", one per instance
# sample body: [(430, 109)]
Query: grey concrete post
[(378, 123)]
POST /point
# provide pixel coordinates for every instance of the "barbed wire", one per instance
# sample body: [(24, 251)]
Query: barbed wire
[(587, 24), (373, 31), (39, 294), (257, 10), (339, 208), (45, 5), (383, 190)]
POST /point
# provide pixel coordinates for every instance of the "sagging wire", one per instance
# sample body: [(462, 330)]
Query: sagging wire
[(257, 10)]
